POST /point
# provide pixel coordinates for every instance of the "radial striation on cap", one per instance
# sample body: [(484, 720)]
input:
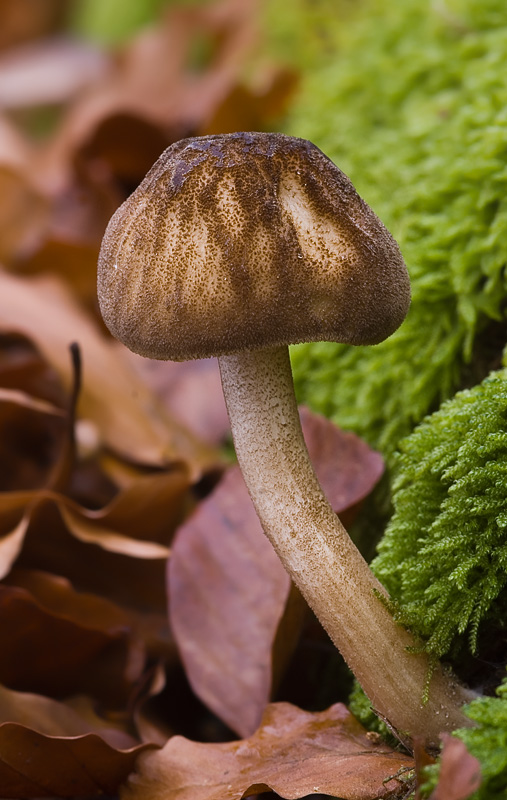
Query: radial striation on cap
[(247, 240)]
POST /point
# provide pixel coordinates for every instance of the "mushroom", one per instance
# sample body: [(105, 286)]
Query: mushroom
[(236, 246)]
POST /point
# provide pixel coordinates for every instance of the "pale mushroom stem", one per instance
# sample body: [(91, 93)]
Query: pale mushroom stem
[(319, 555)]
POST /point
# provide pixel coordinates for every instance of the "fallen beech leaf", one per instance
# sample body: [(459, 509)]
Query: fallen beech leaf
[(460, 772), (346, 467), (129, 418), (48, 71), (135, 583), (46, 750), (164, 496), (228, 591), (192, 391), (22, 20), (250, 109), (55, 254), (55, 655), (227, 594), (23, 399), (31, 435), (58, 597), (23, 368), (294, 753), (422, 759), (23, 214), (15, 149), (155, 80), (53, 718)]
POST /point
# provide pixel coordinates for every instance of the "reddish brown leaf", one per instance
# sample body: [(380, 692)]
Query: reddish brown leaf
[(127, 415), (227, 594), (23, 214), (192, 391), (346, 467), (157, 85), (57, 596), (50, 653), (460, 772), (50, 749), (22, 20), (48, 72), (294, 753), (138, 523), (53, 718), (31, 435)]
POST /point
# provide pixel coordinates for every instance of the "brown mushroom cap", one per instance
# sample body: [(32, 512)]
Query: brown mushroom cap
[(247, 240)]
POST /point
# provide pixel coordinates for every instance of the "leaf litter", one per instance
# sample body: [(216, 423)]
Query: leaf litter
[(115, 495)]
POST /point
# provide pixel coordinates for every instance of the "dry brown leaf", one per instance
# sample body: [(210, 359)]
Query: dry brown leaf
[(24, 400), (15, 148), (57, 596), (23, 368), (227, 594), (31, 433), (192, 391), (346, 467), (52, 749), (48, 71), (294, 753), (19, 514), (53, 654), (23, 20), (127, 415), (54, 257), (53, 718), (251, 109), (23, 214), (460, 772), (24, 210)]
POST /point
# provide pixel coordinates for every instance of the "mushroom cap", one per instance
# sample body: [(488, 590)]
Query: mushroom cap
[(247, 240)]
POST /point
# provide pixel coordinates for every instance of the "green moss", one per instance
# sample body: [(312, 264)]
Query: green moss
[(360, 706), (413, 106), (444, 554), (111, 21), (487, 741)]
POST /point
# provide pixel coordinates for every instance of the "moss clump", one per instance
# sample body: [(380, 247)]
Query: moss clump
[(487, 741), (443, 557), (413, 106)]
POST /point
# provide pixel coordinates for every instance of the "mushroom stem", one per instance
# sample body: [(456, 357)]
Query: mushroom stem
[(317, 552)]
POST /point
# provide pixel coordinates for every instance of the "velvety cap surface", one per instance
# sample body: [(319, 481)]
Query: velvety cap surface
[(247, 240)]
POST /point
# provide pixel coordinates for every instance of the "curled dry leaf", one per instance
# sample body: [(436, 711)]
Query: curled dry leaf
[(53, 654), (48, 71), (460, 772), (36, 734), (127, 415), (24, 211), (151, 507), (294, 753), (53, 718), (57, 597), (228, 591), (23, 214)]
